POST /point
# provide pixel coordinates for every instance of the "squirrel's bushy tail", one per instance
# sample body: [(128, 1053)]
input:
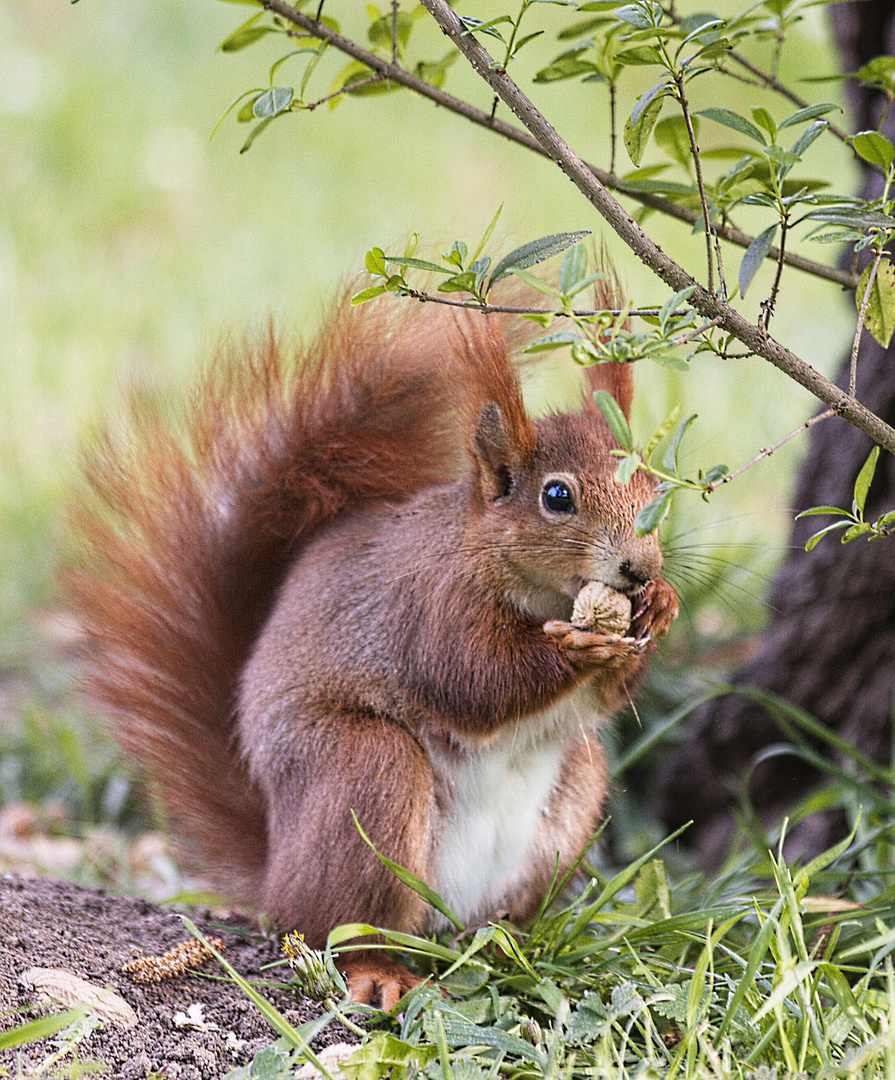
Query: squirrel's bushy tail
[(190, 518)]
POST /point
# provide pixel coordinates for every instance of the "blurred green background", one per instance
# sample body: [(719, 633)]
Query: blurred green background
[(128, 240)]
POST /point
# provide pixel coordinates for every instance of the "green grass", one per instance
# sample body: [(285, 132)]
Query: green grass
[(766, 970)]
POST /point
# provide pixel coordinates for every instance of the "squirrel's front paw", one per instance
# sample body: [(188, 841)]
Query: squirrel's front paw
[(586, 648), (655, 609)]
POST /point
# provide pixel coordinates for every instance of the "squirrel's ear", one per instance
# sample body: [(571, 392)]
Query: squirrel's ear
[(497, 455)]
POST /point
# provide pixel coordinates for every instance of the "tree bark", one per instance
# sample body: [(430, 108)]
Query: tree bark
[(830, 648)]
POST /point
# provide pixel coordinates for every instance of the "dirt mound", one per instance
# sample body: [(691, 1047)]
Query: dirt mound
[(53, 924)]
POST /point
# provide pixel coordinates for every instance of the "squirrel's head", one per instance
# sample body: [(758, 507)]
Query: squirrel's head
[(546, 496)]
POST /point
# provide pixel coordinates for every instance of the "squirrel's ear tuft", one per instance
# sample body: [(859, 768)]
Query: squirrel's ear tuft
[(618, 379), (497, 457)]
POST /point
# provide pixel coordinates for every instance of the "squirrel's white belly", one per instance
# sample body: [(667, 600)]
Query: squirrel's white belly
[(496, 797)]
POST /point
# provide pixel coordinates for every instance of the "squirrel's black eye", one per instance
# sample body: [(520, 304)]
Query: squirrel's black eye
[(557, 498)]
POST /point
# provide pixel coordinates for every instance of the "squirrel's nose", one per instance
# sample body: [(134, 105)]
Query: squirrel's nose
[(637, 570)]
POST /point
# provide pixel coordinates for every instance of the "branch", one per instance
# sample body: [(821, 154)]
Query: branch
[(504, 309), (709, 305), (396, 74), (768, 450)]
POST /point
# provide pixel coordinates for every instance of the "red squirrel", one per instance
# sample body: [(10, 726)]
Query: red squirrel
[(342, 580)]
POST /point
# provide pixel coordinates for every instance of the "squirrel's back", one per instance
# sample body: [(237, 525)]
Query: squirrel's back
[(188, 524)]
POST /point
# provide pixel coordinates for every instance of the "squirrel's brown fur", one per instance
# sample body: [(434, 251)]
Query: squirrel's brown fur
[(323, 587)]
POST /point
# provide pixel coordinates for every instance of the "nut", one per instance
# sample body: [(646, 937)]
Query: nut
[(598, 607)]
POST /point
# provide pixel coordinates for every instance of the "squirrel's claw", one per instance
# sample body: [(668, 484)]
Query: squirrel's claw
[(657, 608), (592, 649)]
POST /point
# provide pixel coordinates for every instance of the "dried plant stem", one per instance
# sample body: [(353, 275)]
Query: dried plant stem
[(396, 74), (762, 454)]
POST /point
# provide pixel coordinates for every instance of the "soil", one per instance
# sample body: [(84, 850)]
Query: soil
[(54, 924)]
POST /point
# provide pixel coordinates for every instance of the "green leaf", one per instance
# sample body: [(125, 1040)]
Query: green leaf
[(243, 37), (368, 294), (733, 120), (410, 879), (755, 255), (273, 102), (465, 282), (673, 303), (473, 25), (552, 341), (879, 72), (573, 269), (646, 55), (374, 261), (807, 138), (815, 511), (416, 264), (535, 283), (875, 148), (637, 132), (864, 480), (487, 234), (673, 137), (534, 252), (379, 32), (627, 467), (376, 1058), (669, 460), (653, 514), (615, 418), (764, 119), (644, 100), (661, 431), (779, 156), (861, 529), (856, 217), (880, 316), (254, 133), (43, 1028), (814, 540), (808, 113), (639, 14), (567, 66)]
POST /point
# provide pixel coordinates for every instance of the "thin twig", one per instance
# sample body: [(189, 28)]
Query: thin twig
[(394, 31), (345, 90), (613, 136), (504, 309), (691, 334), (767, 307), (697, 161), (859, 329), (722, 284), (708, 304), (762, 454), (396, 74)]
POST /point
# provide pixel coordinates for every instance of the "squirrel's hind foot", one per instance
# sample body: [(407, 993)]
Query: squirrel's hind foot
[(375, 979)]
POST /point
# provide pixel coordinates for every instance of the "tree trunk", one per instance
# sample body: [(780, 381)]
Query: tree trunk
[(830, 648)]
